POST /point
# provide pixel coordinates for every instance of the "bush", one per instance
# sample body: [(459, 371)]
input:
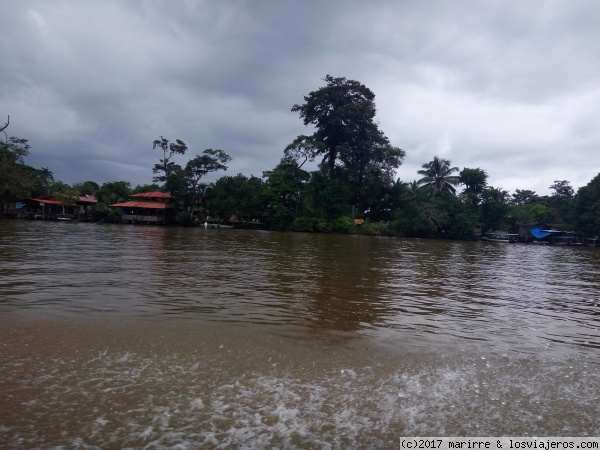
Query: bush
[(322, 226), (343, 225), (375, 229), (304, 225)]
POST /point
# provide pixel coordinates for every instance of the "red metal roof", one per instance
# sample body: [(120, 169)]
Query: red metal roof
[(46, 201), (155, 194), (51, 201), (149, 205), (87, 199)]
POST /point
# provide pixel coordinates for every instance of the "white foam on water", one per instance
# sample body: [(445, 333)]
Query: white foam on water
[(126, 399), (147, 432)]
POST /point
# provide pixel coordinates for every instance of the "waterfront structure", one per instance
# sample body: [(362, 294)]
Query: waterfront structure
[(49, 208), (554, 236), (592, 242), (150, 208), (84, 202)]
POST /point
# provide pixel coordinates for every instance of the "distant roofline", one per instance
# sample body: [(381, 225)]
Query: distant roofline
[(139, 204), (153, 194)]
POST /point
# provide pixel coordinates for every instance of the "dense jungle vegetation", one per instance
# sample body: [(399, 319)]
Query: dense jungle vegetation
[(353, 190)]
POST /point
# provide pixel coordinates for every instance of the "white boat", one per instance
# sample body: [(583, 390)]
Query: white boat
[(500, 236), (215, 225)]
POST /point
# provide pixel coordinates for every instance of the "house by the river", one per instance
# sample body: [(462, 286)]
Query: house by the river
[(49, 208), (150, 208)]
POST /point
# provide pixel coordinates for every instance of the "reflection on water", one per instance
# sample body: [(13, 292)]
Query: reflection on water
[(424, 293), (148, 336)]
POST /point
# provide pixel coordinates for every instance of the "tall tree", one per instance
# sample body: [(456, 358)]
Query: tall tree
[(5, 126), (437, 176), (165, 168), (16, 178), (524, 197), (235, 195), (474, 180), (338, 111), (196, 168), (562, 200), (562, 189), (587, 207), (494, 206), (303, 149), (354, 150), (45, 179), (284, 190)]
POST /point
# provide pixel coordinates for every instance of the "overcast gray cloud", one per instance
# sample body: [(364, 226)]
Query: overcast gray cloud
[(508, 86)]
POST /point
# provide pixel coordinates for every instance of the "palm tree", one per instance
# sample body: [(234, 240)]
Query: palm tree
[(437, 175), (46, 178)]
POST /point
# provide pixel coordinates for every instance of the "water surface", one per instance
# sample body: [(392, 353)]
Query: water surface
[(151, 337)]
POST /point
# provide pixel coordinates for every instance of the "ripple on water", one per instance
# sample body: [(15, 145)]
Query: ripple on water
[(229, 386)]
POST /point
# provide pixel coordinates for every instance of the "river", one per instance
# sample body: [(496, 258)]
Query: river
[(156, 337)]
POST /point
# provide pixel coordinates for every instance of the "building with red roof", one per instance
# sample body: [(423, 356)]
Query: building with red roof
[(47, 207), (150, 208)]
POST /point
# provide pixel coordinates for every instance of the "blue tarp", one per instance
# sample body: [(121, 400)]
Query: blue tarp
[(538, 233)]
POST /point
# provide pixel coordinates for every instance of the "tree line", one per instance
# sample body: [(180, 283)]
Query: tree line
[(352, 190)]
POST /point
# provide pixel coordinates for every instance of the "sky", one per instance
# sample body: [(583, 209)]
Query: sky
[(511, 87)]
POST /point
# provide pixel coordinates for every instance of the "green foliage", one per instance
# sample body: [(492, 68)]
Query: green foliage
[(165, 167), (329, 197), (17, 180), (460, 218), (303, 225), (87, 187), (540, 213), (494, 207), (587, 207), (284, 190), (109, 194), (184, 184), (343, 225), (437, 176), (562, 189), (178, 186), (141, 188), (43, 179), (235, 195), (323, 226), (474, 180), (302, 149), (419, 219), (375, 229), (562, 201), (357, 157), (524, 197), (209, 161), (338, 111), (64, 193)]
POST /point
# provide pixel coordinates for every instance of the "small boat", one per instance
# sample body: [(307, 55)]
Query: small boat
[(64, 218), (500, 236), (215, 225)]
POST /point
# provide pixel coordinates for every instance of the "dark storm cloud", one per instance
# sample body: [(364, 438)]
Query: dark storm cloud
[(510, 87)]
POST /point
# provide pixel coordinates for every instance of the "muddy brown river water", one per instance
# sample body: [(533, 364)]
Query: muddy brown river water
[(148, 337)]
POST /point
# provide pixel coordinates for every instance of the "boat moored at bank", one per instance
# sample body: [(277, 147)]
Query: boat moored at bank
[(500, 236)]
